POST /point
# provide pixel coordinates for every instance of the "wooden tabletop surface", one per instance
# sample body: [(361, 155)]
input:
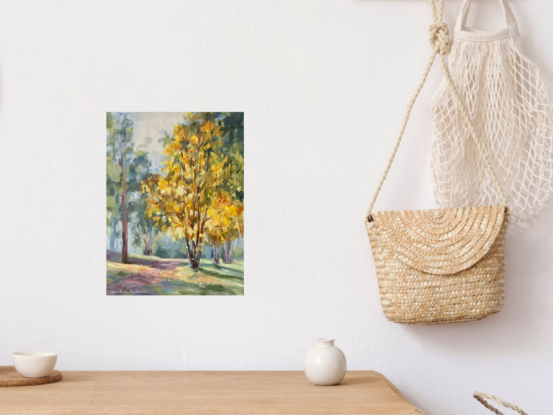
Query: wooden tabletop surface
[(210, 393)]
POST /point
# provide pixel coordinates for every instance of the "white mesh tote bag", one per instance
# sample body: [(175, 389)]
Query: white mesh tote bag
[(507, 101)]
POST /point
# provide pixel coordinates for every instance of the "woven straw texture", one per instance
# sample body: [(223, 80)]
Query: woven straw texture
[(439, 266), (508, 103), (443, 265)]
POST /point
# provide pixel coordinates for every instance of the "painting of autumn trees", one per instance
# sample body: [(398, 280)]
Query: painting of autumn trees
[(175, 203)]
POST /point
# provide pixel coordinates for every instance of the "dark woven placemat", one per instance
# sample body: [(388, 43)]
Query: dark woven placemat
[(10, 377)]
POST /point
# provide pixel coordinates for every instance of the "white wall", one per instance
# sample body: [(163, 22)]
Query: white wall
[(323, 84)]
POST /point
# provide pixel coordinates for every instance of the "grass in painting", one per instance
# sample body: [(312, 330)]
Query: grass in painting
[(160, 276), (175, 203)]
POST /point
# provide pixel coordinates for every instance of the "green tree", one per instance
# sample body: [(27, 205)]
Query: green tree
[(112, 184), (119, 154), (142, 227)]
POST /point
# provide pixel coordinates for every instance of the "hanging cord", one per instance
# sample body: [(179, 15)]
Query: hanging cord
[(441, 45), (481, 397)]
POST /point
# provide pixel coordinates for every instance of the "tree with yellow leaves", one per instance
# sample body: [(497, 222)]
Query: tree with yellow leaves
[(180, 197), (226, 222), (225, 225)]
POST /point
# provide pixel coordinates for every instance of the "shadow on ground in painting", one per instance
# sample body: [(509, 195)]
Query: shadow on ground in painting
[(151, 275)]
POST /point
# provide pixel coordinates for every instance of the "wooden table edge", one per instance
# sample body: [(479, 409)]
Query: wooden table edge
[(67, 377)]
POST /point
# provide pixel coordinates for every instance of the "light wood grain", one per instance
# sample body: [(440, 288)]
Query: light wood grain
[(210, 393), (10, 377)]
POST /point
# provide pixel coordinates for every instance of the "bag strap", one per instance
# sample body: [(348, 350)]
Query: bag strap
[(510, 19), (441, 45), (481, 397)]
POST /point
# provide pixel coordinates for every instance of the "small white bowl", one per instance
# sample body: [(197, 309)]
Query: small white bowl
[(34, 364)]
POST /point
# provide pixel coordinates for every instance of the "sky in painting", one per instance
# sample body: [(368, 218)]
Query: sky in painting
[(149, 127)]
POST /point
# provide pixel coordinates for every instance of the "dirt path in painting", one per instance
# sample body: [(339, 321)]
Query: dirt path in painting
[(151, 275)]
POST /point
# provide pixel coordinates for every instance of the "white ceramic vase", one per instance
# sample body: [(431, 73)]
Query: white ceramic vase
[(325, 364)]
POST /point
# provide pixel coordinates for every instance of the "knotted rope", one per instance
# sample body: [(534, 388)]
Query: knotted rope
[(439, 38), (441, 45), (481, 397)]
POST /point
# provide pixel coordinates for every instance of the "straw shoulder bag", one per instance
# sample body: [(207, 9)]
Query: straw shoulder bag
[(443, 265)]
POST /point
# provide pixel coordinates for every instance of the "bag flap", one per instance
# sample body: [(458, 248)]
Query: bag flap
[(440, 241)]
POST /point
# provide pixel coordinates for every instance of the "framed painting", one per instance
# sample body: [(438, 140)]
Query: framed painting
[(175, 203)]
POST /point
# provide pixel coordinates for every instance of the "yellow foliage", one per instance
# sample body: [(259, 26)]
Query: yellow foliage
[(193, 195)]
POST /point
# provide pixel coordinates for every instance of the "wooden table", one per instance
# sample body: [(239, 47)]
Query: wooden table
[(209, 393)]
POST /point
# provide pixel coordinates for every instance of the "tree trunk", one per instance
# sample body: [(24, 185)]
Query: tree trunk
[(198, 256), (148, 240), (112, 246), (215, 252), (193, 260), (146, 250), (194, 249), (225, 253), (227, 258), (124, 217), (152, 240)]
